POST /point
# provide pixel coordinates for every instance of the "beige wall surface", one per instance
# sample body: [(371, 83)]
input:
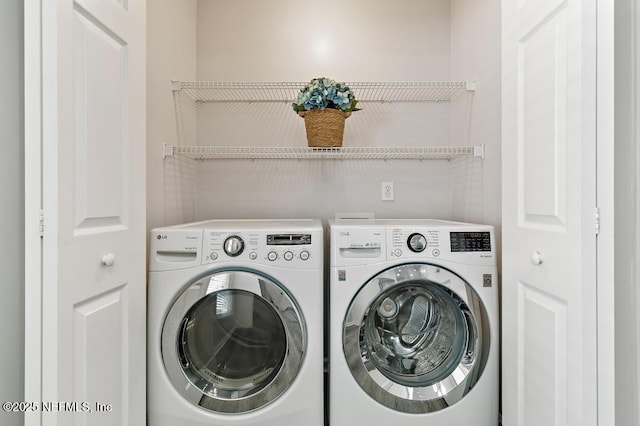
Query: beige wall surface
[(285, 40)]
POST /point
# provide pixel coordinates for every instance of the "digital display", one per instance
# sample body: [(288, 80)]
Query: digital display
[(470, 241), (288, 239)]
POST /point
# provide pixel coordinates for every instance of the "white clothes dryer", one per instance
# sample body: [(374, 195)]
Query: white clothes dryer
[(413, 323), (235, 324)]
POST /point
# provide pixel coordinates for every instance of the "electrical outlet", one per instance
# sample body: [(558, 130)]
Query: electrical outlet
[(387, 191)]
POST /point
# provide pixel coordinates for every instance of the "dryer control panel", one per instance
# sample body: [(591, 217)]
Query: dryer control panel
[(293, 250), (291, 244)]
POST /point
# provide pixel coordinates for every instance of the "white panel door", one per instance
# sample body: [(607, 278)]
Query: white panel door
[(549, 196), (93, 286)]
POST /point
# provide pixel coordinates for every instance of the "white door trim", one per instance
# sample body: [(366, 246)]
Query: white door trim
[(636, 115), (605, 200), (33, 205)]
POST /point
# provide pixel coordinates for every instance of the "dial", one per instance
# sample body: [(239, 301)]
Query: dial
[(288, 255), (233, 246), (272, 255), (417, 242)]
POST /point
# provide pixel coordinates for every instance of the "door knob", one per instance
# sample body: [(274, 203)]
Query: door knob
[(536, 258), (108, 259)]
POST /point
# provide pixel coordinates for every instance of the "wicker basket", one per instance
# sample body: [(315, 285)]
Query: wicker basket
[(325, 128)]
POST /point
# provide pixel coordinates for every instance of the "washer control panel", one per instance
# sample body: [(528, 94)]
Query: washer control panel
[(470, 241), (466, 244), (410, 242), (290, 249)]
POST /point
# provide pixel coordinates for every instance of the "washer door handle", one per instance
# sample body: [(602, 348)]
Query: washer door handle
[(108, 259)]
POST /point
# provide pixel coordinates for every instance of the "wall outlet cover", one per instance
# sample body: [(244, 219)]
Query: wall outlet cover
[(387, 191)]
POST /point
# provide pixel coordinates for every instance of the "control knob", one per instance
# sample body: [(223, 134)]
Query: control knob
[(233, 246), (417, 242)]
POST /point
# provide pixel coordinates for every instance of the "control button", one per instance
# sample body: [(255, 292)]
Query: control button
[(417, 242), (253, 255), (272, 255), (436, 252), (304, 255), (397, 252), (213, 255), (288, 255), (233, 246)]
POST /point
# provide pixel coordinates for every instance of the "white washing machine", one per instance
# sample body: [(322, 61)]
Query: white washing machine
[(235, 324), (413, 324)]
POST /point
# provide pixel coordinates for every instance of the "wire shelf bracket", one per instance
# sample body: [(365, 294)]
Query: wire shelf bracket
[(167, 150)]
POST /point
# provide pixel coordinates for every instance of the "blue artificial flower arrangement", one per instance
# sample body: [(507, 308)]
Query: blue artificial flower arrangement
[(324, 93)]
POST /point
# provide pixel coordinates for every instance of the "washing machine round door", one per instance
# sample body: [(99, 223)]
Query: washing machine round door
[(416, 338), (233, 341)]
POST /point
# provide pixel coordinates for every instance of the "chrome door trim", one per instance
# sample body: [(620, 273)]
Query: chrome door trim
[(207, 395), (416, 397)]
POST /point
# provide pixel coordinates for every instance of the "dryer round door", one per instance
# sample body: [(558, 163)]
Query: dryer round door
[(416, 338), (233, 341)]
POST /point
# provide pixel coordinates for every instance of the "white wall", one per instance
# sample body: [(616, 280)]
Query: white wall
[(475, 53), (288, 40), (368, 40), (365, 41), (171, 55), (12, 212)]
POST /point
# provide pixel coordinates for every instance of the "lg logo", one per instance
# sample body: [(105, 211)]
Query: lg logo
[(161, 237)]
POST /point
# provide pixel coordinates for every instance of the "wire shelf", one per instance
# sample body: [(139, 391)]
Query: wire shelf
[(247, 91), (304, 153)]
